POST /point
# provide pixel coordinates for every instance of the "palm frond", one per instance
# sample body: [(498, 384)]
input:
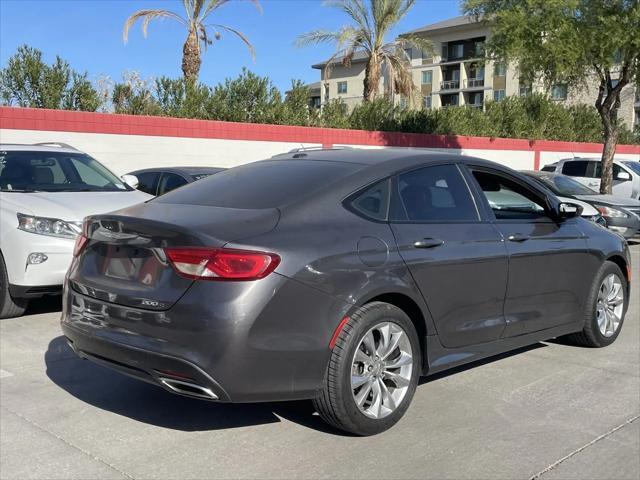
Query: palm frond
[(400, 77), (414, 41), (339, 37), (238, 34), (147, 16)]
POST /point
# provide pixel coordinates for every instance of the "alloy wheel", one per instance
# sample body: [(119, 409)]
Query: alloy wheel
[(381, 370), (610, 305)]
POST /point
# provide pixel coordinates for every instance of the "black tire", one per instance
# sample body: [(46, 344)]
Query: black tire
[(336, 404), (9, 307), (590, 336)]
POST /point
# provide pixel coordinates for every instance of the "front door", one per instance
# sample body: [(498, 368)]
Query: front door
[(458, 261), (549, 266)]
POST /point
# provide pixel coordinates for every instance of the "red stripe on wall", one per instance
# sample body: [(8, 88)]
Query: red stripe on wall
[(14, 118)]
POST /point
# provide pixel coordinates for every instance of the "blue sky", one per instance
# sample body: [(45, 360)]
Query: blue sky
[(88, 34)]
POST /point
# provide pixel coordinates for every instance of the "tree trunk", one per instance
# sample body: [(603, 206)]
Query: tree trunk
[(191, 60), (608, 152), (371, 79)]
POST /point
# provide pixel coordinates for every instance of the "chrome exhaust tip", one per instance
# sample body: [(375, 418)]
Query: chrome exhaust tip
[(188, 388)]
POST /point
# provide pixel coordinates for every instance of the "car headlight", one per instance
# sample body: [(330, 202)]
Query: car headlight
[(610, 212), (53, 227)]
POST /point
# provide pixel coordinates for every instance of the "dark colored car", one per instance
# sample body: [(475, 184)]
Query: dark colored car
[(338, 276), (621, 214), (158, 181)]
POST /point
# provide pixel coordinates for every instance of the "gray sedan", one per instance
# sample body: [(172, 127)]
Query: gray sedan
[(340, 276)]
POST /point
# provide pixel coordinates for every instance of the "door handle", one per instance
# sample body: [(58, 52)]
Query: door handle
[(428, 243), (518, 237)]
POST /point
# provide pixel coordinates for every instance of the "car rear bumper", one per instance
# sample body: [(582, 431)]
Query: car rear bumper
[(242, 341)]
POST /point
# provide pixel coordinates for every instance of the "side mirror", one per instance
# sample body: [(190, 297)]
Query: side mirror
[(130, 180), (569, 210), (624, 176)]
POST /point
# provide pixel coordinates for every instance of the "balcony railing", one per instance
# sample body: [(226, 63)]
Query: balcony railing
[(450, 85), (474, 83)]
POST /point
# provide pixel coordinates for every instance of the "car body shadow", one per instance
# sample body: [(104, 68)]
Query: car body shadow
[(46, 304), (144, 402)]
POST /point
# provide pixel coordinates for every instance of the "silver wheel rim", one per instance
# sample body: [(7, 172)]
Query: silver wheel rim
[(610, 305), (381, 370)]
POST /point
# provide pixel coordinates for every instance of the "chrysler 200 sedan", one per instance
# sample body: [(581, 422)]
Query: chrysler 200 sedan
[(340, 276)]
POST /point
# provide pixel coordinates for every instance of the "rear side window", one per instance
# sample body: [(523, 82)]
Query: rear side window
[(576, 168), (265, 184), (434, 194), (549, 168), (374, 201)]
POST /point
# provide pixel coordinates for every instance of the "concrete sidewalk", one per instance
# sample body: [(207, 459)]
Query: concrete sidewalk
[(548, 411)]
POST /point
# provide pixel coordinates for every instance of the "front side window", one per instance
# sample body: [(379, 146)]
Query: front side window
[(509, 200), (427, 77), (148, 182), (435, 194), (55, 172), (374, 201), (170, 181), (342, 87)]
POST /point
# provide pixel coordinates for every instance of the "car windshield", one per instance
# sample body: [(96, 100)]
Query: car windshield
[(35, 171), (566, 186), (635, 166)]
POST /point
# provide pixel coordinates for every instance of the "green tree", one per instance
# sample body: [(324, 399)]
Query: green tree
[(335, 114), (247, 98), (571, 41), (27, 81), (134, 96), (182, 98), (200, 34), (372, 22)]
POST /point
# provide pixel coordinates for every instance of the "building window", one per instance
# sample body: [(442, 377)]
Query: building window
[(617, 57), (559, 92), (499, 70), (456, 51), (403, 102), (498, 95), (478, 49), (316, 102), (426, 56), (342, 87), (525, 90), (409, 53), (426, 102), (427, 77)]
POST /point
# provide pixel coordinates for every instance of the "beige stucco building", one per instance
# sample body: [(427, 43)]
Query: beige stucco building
[(456, 73)]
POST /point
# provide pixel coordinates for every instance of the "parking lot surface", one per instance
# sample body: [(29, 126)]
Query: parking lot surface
[(548, 411)]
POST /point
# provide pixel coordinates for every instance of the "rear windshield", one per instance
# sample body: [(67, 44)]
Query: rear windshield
[(266, 184)]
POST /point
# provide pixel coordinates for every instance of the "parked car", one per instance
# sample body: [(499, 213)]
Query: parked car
[(158, 181), (339, 276), (622, 215), (45, 192), (626, 174)]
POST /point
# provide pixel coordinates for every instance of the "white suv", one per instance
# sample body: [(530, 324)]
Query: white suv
[(45, 192), (626, 174)]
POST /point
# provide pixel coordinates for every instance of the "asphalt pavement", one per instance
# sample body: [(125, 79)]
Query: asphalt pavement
[(549, 411)]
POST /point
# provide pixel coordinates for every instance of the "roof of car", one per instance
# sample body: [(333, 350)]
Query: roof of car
[(44, 147), (182, 170), (368, 156)]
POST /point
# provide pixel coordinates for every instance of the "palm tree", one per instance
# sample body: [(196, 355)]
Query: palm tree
[(372, 21), (199, 32)]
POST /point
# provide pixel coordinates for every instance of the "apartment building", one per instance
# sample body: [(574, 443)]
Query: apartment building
[(456, 73)]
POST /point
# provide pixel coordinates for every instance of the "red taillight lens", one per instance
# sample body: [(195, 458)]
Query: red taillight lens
[(81, 242), (221, 263)]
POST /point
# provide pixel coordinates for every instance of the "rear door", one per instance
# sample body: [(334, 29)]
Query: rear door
[(148, 182), (550, 270), (457, 259)]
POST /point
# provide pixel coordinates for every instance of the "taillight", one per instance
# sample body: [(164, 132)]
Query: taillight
[(81, 242), (221, 263)]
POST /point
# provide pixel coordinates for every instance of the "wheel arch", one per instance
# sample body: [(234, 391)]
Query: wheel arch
[(621, 262), (413, 310)]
